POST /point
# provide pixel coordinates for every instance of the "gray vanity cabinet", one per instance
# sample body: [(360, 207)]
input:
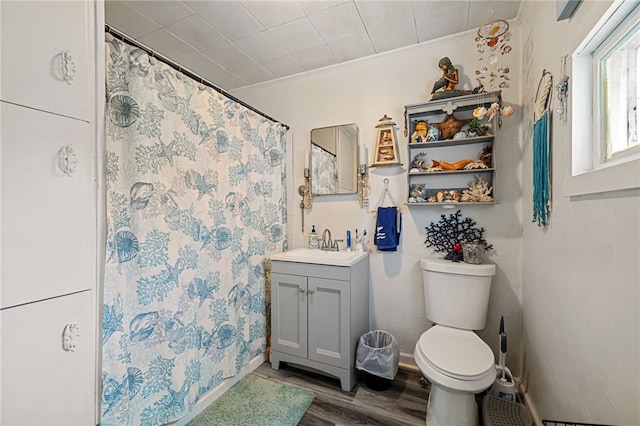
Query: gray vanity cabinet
[(318, 314)]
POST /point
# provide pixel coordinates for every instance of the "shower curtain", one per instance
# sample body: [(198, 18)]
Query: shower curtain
[(195, 205)]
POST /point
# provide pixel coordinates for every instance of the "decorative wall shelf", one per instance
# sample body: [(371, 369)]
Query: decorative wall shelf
[(437, 175)]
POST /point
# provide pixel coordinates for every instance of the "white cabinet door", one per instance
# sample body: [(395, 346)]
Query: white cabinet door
[(329, 319), (289, 314), (35, 69), (41, 382), (48, 225)]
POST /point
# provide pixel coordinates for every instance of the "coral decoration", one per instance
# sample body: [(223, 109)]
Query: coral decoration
[(450, 232)]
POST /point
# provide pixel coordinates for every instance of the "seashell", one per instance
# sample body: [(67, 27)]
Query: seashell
[(479, 112), (226, 335), (508, 111), (126, 246), (142, 325), (222, 141), (191, 178), (139, 62), (493, 59), (506, 49), (503, 85), (275, 233), (460, 135), (140, 193), (135, 379), (110, 389), (223, 238), (230, 201), (492, 42), (124, 110), (275, 157)]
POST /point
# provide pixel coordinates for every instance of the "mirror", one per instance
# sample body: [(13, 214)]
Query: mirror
[(334, 157)]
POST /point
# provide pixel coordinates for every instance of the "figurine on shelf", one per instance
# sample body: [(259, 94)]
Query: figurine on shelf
[(420, 135), (433, 134), (418, 193), (445, 87), (449, 76)]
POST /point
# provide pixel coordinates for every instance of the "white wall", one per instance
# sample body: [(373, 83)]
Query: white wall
[(581, 321), (362, 92)]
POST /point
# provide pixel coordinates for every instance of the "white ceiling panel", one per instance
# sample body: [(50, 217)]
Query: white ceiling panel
[(235, 43), (162, 12), (230, 19), (273, 13), (297, 35)]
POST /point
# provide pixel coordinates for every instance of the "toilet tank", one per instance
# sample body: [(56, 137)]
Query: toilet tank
[(456, 294)]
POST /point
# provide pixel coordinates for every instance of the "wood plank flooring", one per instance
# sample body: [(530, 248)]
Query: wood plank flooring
[(404, 403)]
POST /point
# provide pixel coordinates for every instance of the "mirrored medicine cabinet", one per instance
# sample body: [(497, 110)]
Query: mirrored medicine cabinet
[(334, 154)]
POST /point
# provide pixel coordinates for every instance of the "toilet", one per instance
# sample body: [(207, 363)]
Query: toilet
[(452, 357)]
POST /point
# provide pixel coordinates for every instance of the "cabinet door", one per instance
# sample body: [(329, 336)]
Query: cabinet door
[(41, 382), (48, 219), (329, 321), (289, 314), (35, 36)]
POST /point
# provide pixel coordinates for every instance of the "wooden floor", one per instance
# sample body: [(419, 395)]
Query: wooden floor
[(404, 403)]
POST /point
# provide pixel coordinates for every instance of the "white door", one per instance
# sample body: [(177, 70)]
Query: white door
[(42, 383)]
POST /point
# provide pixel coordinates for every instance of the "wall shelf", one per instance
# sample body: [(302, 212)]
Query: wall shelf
[(451, 187)]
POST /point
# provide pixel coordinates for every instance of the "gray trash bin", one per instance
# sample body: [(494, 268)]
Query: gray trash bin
[(377, 355)]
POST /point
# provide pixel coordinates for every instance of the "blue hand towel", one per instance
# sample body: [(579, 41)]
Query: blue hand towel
[(388, 227)]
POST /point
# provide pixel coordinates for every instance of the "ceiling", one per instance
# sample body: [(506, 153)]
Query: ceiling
[(234, 44)]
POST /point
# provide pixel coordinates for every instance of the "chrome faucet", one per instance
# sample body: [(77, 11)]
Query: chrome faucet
[(327, 243)]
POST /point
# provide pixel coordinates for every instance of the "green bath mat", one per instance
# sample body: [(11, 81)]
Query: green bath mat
[(255, 401)]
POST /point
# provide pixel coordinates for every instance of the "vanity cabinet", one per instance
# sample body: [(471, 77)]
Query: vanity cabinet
[(429, 187), (318, 314)]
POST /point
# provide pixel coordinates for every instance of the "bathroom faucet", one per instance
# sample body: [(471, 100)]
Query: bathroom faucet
[(327, 243)]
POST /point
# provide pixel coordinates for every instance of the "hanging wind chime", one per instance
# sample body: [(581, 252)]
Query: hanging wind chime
[(492, 44)]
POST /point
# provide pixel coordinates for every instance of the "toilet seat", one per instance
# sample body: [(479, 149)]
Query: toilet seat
[(459, 354)]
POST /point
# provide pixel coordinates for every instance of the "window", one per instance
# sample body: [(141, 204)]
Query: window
[(606, 71), (617, 90)]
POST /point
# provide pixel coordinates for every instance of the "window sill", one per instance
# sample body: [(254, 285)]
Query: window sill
[(615, 178)]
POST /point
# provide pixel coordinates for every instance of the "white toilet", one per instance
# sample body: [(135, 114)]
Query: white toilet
[(457, 363)]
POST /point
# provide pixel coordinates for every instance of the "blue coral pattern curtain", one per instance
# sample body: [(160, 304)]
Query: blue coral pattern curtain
[(195, 204), (324, 176)]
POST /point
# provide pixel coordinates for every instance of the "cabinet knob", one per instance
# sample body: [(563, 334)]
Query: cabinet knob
[(301, 290), (311, 291)]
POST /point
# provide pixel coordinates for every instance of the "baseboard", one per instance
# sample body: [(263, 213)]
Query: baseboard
[(407, 362), (532, 410), (216, 392)]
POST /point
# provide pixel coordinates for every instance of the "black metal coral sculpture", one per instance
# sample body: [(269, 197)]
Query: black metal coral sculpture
[(450, 232)]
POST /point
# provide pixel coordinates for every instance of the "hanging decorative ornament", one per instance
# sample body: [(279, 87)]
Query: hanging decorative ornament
[(493, 29), (563, 90), (494, 35)]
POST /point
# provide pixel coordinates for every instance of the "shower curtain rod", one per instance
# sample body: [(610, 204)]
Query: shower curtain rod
[(117, 34)]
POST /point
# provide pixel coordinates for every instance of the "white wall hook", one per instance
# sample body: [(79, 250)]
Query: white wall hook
[(70, 336), (68, 67), (67, 160)]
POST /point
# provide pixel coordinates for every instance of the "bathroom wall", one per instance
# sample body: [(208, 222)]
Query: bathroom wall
[(362, 92), (580, 277)]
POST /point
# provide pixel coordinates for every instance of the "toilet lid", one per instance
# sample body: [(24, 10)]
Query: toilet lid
[(456, 353)]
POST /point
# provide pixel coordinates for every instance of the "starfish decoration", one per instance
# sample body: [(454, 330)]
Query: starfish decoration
[(450, 126)]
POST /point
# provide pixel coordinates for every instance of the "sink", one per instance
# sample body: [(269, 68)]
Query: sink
[(320, 257)]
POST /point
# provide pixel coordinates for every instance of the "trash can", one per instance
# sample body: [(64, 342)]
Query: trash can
[(377, 355)]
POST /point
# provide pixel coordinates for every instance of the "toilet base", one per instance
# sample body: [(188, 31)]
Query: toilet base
[(447, 408)]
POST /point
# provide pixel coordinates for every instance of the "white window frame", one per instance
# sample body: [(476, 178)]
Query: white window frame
[(586, 174)]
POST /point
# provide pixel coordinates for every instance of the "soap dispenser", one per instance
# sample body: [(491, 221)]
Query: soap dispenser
[(313, 238)]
